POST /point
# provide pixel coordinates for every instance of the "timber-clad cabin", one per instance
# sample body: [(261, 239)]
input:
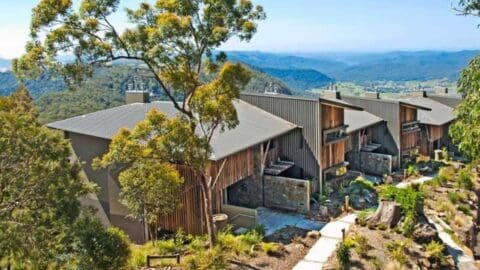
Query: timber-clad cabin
[(435, 123), (323, 129), (401, 120), (239, 159)]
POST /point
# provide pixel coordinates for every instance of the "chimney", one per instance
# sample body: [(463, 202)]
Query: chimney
[(373, 95), (332, 94), (137, 97), (441, 91)]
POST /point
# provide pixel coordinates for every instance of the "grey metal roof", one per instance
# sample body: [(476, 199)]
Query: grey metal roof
[(360, 119), (440, 114), (389, 100), (339, 103), (255, 125)]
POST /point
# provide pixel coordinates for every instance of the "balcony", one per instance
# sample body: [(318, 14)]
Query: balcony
[(334, 135), (410, 127)]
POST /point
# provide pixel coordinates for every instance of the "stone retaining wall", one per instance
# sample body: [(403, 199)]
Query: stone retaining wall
[(370, 163), (287, 193)]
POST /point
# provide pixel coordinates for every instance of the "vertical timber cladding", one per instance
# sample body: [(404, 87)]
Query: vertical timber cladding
[(189, 214), (429, 135), (409, 140), (301, 146), (332, 154)]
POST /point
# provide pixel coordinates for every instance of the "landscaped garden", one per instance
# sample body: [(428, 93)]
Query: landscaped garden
[(250, 250), (399, 235)]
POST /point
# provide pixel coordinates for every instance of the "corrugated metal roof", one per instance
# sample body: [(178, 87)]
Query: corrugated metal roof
[(360, 119), (440, 114), (255, 125)]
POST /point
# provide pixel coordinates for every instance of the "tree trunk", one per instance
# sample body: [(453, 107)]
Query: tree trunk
[(208, 209), (388, 213)]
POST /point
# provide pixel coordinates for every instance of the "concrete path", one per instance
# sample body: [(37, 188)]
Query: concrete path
[(331, 235), (462, 260), (274, 220), (420, 180)]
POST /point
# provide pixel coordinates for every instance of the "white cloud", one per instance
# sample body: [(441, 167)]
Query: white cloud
[(12, 43)]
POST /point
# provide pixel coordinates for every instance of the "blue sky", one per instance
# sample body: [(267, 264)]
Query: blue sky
[(315, 26)]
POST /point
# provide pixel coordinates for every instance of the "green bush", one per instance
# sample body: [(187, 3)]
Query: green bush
[(412, 170), (362, 183), (360, 244), (397, 251), (270, 248), (410, 198), (435, 251), (207, 259), (260, 229), (362, 218), (464, 178), (408, 225), (343, 255), (441, 180), (456, 197), (100, 248), (465, 209), (447, 173)]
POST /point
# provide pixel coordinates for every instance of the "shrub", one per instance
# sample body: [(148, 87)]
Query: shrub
[(410, 198), (362, 217), (270, 249), (456, 197), (412, 170), (408, 225), (447, 172), (361, 183), (100, 248), (343, 255), (434, 251), (207, 259), (459, 221), (139, 255), (445, 155), (441, 180), (445, 206), (465, 209), (464, 178), (397, 251), (167, 247), (360, 244)]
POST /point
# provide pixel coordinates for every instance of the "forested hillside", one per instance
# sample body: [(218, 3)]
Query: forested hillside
[(106, 89), (300, 79)]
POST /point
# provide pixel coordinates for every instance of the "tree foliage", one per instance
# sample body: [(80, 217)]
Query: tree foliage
[(465, 131), (174, 39), (100, 248), (39, 187)]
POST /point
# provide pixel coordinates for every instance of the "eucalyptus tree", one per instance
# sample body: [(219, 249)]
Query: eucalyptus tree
[(174, 39)]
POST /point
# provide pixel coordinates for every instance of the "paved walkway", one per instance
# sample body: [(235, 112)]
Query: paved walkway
[(274, 220), (331, 235), (462, 260)]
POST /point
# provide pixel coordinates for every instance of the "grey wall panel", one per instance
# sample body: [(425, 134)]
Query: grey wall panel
[(87, 148), (389, 111)]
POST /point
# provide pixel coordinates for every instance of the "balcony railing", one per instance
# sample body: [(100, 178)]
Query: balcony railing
[(335, 135), (409, 127)]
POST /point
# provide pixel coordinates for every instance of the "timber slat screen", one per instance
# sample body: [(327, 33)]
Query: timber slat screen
[(332, 154), (429, 135), (409, 140), (189, 213)]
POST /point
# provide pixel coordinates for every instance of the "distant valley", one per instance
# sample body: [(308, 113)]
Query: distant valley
[(291, 74)]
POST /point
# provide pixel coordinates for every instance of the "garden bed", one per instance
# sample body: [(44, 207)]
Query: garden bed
[(382, 249)]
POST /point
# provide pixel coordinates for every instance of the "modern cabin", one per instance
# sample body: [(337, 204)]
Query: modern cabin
[(401, 119), (324, 131), (434, 124), (240, 158)]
